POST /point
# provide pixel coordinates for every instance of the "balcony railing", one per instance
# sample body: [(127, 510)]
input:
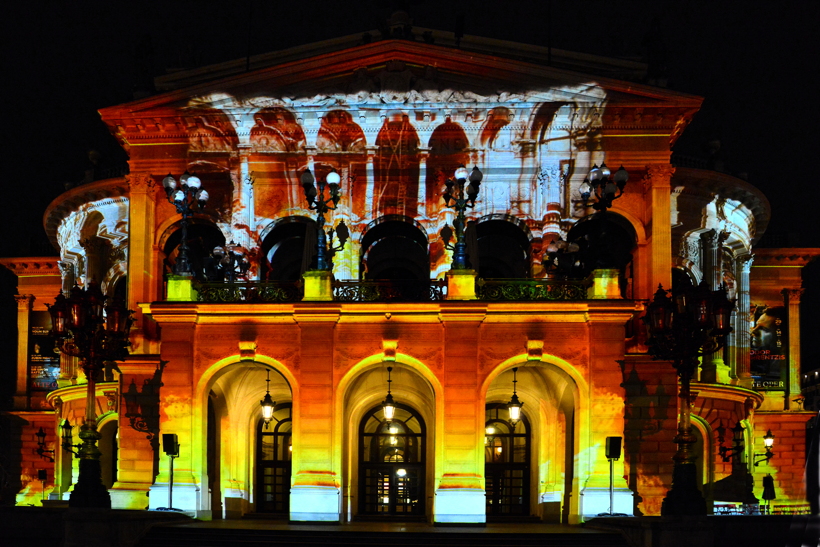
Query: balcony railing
[(389, 291), (435, 290), (531, 289), (250, 291)]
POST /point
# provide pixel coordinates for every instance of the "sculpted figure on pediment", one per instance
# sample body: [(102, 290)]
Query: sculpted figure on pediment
[(395, 80)]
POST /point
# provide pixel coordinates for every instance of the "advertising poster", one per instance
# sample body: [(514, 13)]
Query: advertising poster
[(43, 358), (769, 351)]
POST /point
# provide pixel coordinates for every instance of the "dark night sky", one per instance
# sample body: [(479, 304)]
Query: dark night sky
[(757, 69)]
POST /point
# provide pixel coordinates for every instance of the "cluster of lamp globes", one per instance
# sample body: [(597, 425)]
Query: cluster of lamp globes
[(189, 185), (605, 186)]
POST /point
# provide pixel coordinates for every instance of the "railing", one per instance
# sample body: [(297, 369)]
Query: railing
[(250, 291), (531, 289), (389, 291)]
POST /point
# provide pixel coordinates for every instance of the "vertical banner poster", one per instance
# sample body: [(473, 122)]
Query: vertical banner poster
[(43, 357), (770, 346)]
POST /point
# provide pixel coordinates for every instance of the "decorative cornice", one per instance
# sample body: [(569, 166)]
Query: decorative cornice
[(32, 266), (785, 257)]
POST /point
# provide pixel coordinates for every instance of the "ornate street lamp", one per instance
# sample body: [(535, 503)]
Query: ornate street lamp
[(768, 443), (321, 204), (187, 196), (605, 189), (514, 406), (694, 323), (85, 328), (726, 453), (388, 405), (41, 445), (267, 403), (457, 197)]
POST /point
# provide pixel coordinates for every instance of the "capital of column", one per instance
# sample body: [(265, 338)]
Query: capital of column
[(141, 182), (24, 301), (659, 174), (744, 263), (792, 296)]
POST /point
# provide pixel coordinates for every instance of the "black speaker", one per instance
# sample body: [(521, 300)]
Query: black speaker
[(169, 444), (42, 475), (613, 448)]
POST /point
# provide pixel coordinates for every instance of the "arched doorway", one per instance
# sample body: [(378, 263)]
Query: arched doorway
[(392, 463), (506, 463), (273, 462), (395, 248), (502, 248)]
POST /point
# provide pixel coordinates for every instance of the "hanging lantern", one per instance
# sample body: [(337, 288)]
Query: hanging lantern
[(514, 406), (267, 403), (388, 405)]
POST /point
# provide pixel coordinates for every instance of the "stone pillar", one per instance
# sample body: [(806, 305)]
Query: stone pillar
[(176, 399), (138, 435), (24, 304), (792, 298), (243, 211), (605, 419), (459, 493), (742, 334), (658, 179), (370, 182), (316, 493)]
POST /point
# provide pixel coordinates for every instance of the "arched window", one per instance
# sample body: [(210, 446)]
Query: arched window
[(392, 463), (506, 463)]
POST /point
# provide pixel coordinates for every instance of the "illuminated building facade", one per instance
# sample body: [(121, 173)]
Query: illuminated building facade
[(394, 119)]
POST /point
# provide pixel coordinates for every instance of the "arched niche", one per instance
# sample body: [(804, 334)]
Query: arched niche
[(502, 244), (289, 249), (362, 396), (395, 247)]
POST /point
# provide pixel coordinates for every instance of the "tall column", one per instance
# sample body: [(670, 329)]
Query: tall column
[(242, 219), (792, 297), (24, 304), (370, 182), (713, 367), (658, 179), (742, 335)]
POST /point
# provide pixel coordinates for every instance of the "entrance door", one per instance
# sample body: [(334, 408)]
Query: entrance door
[(391, 464), (506, 463), (273, 462)]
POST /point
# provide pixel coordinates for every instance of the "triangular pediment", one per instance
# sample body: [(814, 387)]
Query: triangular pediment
[(396, 72)]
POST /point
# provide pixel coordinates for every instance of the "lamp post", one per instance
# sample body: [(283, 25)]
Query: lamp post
[(85, 328), (457, 197), (604, 186), (187, 196), (321, 204), (691, 324)]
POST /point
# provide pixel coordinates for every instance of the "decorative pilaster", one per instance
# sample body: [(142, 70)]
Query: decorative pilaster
[(713, 368), (142, 283), (658, 179), (421, 200), (792, 298), (24, 305)]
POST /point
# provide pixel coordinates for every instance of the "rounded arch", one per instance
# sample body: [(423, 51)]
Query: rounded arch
[(556, 402), (396, 166), (288, 248), (503, 247), (395, 247), (203, 236), (364, 386), (243, 431)]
